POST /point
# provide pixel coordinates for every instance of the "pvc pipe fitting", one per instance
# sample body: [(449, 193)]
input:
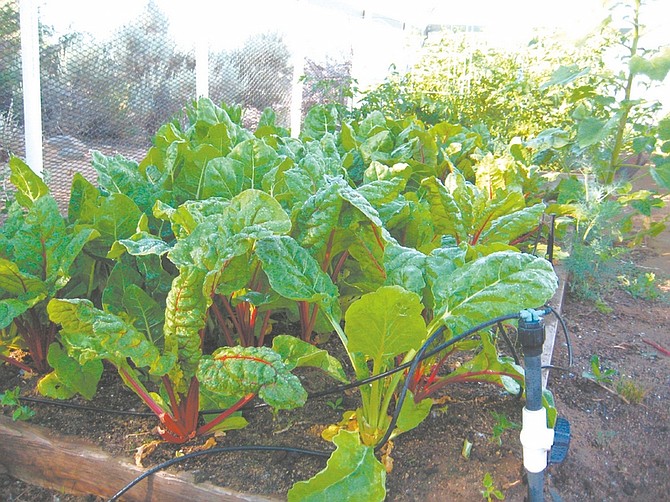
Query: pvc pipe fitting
[(536, 439)]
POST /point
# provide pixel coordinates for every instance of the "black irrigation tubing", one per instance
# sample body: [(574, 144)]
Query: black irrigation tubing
[(83, 407), (566, 334), (225, 449)]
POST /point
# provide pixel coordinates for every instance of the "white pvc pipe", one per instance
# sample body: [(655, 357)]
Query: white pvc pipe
[(202, 67), (32, 97)]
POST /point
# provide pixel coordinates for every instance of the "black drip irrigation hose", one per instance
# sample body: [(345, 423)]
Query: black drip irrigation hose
[(225, 449), (83, 407)]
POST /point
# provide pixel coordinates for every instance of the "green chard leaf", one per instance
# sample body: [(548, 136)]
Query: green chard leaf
[(91, 334), (69, 377), (29, 185), (446, 214), (497, 284), (185, 315), (295, 274), (297, 353), (352, 473), (385, 323), (320, 120), (12, 308), (238, 371)]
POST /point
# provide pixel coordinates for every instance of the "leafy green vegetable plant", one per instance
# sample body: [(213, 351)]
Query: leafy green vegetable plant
[(229, 378), (37, 252), (11, 398), (212, 259), (490, 491)]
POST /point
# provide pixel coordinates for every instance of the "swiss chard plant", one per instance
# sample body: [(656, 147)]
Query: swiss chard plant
[(183, 379), (37, 251), (386, 328), (232, 242)]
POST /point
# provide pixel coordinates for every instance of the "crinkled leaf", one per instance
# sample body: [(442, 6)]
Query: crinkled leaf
[(29, 185), (238, 371), (385, 323), (508, 227), (318, 217), (116, 217), (380, 192), (223, 177), (305, 179), (320, 120), (189, 179), (16, 282), (298, 353), (253, 212), (43, 249), (143, 243), (116, 173), (249, 216), (359, 202), (497, 284), (446, 214), (90, 334), (122, 276), (366, 247), (405, 267), (256, 159), (83, 198), (352, 473), (147, 314), (185, 315), (12, 308), (295, 274)]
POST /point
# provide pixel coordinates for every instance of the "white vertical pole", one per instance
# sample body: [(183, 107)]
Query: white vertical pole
[(32, 99), (298, 68), (202, 66)]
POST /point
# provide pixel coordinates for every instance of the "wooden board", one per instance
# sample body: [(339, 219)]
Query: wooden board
[(552, 326), (38, 456)]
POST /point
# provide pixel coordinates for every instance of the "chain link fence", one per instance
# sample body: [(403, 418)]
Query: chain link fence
[(111, 90)]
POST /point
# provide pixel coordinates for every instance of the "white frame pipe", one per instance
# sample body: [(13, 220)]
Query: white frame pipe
[(32, 94)]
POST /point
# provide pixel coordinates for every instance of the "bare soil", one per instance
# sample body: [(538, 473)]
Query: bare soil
[(619, 451)]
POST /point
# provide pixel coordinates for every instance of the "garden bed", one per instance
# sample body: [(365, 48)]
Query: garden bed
[(619, 451)]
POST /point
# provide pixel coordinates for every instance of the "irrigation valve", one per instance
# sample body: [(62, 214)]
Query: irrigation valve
[(531, 332), (536, 439)]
